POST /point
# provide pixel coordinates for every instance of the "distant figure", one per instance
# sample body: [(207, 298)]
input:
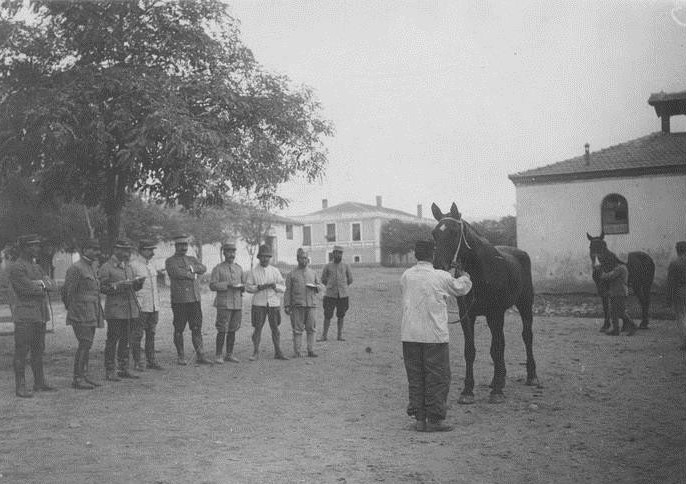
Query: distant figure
[(228, 281), (336, 276), (119, 283), (149, 304), (183, 271), (300, 303), (81, 298), (30, 312), (616, 274), (676, 288), (265, 283), (425, 336)]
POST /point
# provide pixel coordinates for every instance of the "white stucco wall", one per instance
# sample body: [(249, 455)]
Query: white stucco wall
[(552, 221)]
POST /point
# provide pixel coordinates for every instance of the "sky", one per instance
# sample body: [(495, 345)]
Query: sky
[(439, 101)]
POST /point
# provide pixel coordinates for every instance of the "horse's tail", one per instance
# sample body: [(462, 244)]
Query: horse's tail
[(641, 269)]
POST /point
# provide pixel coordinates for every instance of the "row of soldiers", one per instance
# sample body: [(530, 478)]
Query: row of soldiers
[(132, 304)]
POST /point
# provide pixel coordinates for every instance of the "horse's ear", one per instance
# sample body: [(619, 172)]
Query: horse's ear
[(438, 215), (589, 236), (455, 212)]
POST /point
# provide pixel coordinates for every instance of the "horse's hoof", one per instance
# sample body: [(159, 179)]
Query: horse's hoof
[(533, 382), (496, 398), (465, 399)]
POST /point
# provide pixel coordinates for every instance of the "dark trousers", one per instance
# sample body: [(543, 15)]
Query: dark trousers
[(145, 324), (618, 311), (84, 335), (29, 337), (258, 315), (117, 341), (428, 378), (191, 314)]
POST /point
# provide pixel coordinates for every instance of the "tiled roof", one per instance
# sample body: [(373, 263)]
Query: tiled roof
[(657, 153), (348, 208)]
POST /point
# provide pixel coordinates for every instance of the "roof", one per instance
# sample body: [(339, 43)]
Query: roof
[(654, 154), (345, 208)]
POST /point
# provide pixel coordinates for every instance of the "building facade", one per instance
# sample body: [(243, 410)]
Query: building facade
[(634, 193)]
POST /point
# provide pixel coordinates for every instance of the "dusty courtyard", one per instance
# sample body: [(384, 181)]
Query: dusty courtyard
[(610, 409)]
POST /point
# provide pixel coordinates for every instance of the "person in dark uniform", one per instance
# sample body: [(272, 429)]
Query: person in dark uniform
[(30, 312), (81, 297), (183, 271)]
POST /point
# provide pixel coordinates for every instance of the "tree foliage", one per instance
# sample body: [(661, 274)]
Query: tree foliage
[(499, 232), (100, 100), (252, 224), (399, 237)]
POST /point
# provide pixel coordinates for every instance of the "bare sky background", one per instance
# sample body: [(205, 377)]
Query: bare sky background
[(441, 100)]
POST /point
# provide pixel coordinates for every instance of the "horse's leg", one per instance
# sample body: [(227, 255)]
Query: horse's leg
[(606, 313), (496, 323), (643, 296), (467, 395), (526, 312)]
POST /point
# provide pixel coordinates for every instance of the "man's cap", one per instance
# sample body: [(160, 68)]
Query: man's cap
[(90, 244), (123, 244), (424, 246), (337, 248), (147, 244), (681, 246), (264, 250), (300, 252), (181, 239), (228, 246), (28, 239)]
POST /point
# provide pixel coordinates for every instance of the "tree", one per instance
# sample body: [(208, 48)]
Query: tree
[(399, 238), (100, 100), (252, 224), (499, 232), (206, 226)]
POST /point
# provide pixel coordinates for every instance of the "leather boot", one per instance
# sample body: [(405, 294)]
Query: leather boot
[(325, 331), (296, 345), (39, 384), (310, 346), (605, 327), (81, 384), (20, 382), (111, 375), (340, 329)]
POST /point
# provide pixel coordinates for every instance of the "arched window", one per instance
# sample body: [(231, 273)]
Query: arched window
[(615, 214)]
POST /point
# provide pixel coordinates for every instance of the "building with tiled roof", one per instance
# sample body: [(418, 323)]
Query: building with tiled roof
[(354, 226), (633, 192)]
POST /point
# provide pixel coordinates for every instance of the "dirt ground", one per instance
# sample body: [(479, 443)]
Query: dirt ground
[(610, 409)]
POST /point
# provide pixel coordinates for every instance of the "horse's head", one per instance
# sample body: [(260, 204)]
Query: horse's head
[(449, 236), (597, 248)]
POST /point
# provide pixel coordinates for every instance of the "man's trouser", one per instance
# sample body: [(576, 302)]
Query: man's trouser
[(145, 324), (84, 335), (29, 337), (187, 313), (117, 341), (258, 315), (428, 377)]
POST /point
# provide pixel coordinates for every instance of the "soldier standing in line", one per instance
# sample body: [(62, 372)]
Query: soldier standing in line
[(118, 282), (228, 281), (81, 297), (30, 313), (300, 303), (183, 271), (336, 276), (149, 305)]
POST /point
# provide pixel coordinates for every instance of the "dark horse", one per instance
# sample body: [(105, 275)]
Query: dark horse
[(501, 278), (641, 274)]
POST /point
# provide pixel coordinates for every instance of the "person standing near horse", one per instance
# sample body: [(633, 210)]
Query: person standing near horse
[(119, 284), (425, 336), (265, 283), (336, 276), (300, 303), (228, 281), (149, 304), (30, 313), (616, 274), (183, 271), (676, 288), (81, 298)]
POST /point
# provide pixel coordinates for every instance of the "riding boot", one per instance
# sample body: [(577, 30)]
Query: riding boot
[(297, 340), (39, 384), (605, 326), (310, 345), (20, 383), (340, 329), (276, 340), (219, 347), (84, 370), (178, 343), (325, 331)]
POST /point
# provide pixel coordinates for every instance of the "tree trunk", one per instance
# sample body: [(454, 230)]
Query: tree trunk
[(198, 251), (113, 228), (91, 231)]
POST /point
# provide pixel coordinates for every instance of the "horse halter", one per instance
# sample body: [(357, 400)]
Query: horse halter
[(462, 238)]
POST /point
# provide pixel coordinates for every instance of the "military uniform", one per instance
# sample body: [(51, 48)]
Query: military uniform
[(227, 280)]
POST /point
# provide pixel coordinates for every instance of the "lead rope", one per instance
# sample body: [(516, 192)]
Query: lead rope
[(454, 262)]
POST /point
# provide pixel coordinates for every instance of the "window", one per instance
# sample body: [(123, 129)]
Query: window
[(356, 258), (289, 231), (615, 215), (307, 235), (357, 232), (331, 232)]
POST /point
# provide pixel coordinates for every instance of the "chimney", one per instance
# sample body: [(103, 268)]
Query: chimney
[(378, 200), (419, 210), (325, 203), (587, 155), (665, 123)]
